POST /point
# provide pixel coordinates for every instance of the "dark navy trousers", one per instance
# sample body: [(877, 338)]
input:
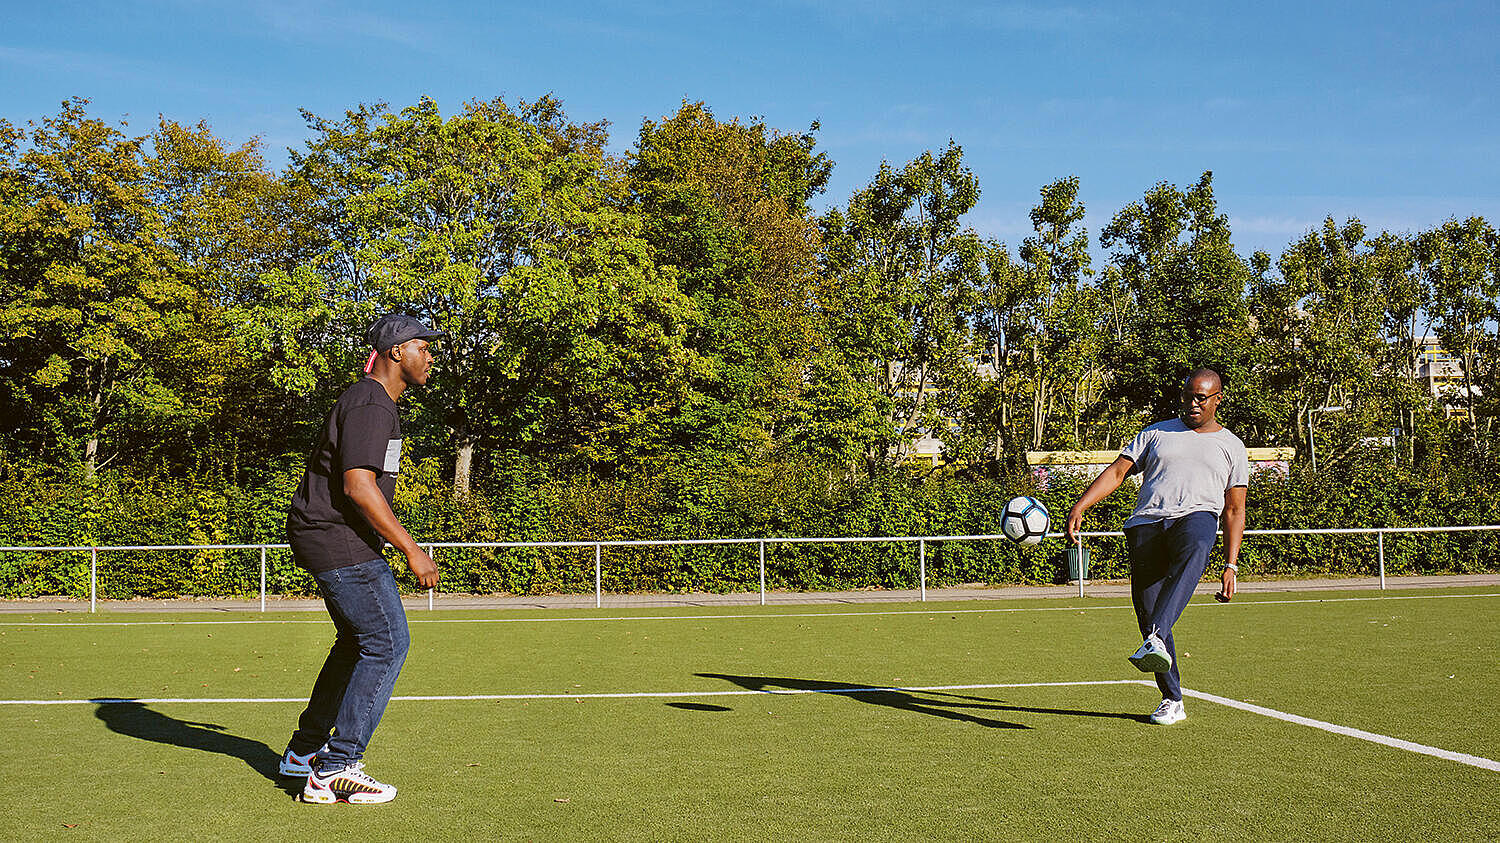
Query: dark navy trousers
[(1167, 558)]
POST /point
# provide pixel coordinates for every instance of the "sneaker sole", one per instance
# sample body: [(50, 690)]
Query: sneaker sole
[(331, 798), (1168, 721), (1152, 663), (356, 799)]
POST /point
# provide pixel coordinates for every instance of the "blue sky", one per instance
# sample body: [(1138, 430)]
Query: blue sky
[(1385, 111)]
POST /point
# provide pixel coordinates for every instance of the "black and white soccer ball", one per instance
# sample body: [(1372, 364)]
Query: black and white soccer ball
[(1025, 520)]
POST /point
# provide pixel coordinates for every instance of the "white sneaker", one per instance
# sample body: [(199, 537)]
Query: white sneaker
[(1152, 657), (351, 784), (1169, 712), (297, 766)]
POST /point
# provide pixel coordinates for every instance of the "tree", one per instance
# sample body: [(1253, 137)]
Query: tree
[(98, 325), (1057, 356), (1003, 299), (1460, 262), (502, 227), (1404, 301), (903, 273), (724, 206), (1322, 320), (1172, 256), (228, 220)]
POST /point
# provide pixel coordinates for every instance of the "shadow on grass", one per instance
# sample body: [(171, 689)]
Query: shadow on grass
[(137, 720), (698, 706), (921, 702), (1067, 712), (914, 701)]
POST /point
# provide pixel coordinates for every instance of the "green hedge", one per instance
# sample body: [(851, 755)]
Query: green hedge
[(702, 502)]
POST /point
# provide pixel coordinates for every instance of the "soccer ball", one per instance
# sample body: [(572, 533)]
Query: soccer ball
[(1025, 520)]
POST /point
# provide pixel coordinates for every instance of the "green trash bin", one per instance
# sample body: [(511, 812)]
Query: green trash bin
[(1078, 562)]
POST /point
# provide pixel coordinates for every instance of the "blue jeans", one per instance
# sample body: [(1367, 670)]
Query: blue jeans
[(1167, 559), (357, 678)]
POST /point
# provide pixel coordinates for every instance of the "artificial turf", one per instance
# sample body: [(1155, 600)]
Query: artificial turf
[(1041, 762)]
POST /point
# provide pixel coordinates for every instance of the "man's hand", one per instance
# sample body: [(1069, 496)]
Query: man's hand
[(423, 568), (1074, 525), (1226, 593)]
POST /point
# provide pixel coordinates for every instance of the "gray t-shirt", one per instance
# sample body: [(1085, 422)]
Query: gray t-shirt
[(1184, 471)]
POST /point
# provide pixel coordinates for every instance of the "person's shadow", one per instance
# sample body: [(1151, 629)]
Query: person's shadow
[(137, 720), (936, 703)]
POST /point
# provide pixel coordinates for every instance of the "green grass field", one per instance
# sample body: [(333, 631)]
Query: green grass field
[(687, 761)]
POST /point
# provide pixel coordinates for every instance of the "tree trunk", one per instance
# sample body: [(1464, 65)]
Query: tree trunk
[(463, 466), (96, 401)]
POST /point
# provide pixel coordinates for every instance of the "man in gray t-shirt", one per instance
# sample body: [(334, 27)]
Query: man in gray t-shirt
[(1194, 473)]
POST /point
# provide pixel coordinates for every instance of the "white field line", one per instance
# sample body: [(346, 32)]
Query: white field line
[(1334, 728), (85, 624), (1347, 731), (853, 689)]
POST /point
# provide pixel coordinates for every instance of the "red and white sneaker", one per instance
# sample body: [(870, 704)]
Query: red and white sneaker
[(297, 766), (351, 784)]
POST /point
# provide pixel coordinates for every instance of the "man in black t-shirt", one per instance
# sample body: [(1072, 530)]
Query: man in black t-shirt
[(339, 521)]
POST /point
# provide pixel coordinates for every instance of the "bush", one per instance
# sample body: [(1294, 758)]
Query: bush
[(707, 501)]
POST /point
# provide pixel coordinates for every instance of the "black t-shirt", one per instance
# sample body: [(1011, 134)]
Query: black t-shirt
[(325, 527)]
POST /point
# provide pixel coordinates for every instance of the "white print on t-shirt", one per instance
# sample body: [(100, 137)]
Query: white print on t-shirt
[(392, 457)]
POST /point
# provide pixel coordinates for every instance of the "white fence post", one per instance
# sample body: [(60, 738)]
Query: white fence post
[(1380, 548), (431, 554), (762, 572), (93, 579), (262, 578), (1080, 566), (598, 577), (922, 565)]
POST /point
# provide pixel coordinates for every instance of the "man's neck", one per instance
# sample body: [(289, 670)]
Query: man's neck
[(392, 381), (1209, 426)]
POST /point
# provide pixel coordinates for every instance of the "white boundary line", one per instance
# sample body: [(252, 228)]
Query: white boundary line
[(1347, 731), (748, 615), (1334, 728), (853, 689)]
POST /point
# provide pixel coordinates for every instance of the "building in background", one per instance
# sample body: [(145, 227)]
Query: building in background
[(1442, 374)]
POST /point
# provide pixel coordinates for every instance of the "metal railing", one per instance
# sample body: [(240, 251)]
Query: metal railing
[(598, 546)]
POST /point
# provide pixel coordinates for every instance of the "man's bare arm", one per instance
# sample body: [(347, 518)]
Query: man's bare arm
[(1234, 533), (359, 486), (1108, 480)]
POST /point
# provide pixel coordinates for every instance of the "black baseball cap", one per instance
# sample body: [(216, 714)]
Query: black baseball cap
[(393, 329)]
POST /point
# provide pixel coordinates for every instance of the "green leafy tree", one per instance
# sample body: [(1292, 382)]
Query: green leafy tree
[(503, 227), (98, 325), (1059, 355), (228, 220), (1322, 319), (1404, 301), (1172, 255), (725, 206), (1003, 299), (903, 275), (1460, 262)]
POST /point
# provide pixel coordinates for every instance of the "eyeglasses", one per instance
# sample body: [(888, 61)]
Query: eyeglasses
[(1191, 398)]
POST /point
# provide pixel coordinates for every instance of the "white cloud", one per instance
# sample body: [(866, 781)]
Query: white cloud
[(324, 22)]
